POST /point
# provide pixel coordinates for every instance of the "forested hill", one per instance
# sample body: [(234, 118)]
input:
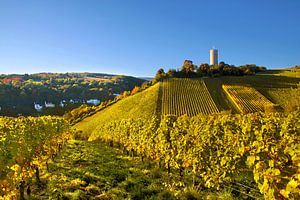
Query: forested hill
[(19, 93)]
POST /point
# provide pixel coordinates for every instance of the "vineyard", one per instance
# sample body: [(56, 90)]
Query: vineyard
[(186, 96), (247, 99), (27, 144), (218, 149), (252, 155)]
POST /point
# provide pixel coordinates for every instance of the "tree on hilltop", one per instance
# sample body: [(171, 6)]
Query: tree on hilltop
[(188, 68), (160, 74), (203, 69)]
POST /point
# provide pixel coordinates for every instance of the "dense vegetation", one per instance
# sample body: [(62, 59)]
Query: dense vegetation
[(189, 70), (26, 146), (218, 150), (18, 93)]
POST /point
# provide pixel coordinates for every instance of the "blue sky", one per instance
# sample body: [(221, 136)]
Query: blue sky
[(136, 37)]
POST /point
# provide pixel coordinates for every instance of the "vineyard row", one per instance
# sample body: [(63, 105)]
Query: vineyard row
[(247, 99), (186, 96)]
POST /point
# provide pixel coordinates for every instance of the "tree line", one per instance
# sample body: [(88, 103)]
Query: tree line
[(189, 70)]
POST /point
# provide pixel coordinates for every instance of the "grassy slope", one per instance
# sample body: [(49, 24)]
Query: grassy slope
[(140, 105)]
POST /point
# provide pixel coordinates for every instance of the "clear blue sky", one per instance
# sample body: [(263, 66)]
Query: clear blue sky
[(136, 37)]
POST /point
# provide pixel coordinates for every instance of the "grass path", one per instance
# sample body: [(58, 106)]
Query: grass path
[(93, 170)]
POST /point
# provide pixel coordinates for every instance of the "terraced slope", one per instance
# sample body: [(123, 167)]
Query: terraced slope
[(274, 85), (246, 99), (186, 96), (141, 105)]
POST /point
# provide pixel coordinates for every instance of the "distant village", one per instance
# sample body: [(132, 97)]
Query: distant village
[(63, 103), (39, 107)]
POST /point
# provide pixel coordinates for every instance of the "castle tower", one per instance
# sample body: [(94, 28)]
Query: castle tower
[(213, 57)]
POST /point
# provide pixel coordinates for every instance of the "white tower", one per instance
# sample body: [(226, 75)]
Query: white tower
[(213, 57)]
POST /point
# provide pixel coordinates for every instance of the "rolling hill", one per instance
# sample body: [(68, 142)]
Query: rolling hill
[(141, 105), (225, 135), (196, 138), (195, 96)]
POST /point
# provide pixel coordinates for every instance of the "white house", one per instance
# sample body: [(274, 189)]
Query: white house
[(61, 104), (49, 105), (38, 107), (93, 101)]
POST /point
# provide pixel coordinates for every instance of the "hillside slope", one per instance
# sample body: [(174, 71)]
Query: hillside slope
[(141, 105), (180, 144), (150, 101)]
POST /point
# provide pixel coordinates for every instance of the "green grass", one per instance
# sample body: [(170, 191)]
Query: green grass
[(140, 105)]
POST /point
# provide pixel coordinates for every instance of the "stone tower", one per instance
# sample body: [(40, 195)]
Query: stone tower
[(213, 57)]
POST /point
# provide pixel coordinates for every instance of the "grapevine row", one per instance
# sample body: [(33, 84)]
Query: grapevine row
[(218, 147), (25, 146), (186, 96), (246, 99)]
